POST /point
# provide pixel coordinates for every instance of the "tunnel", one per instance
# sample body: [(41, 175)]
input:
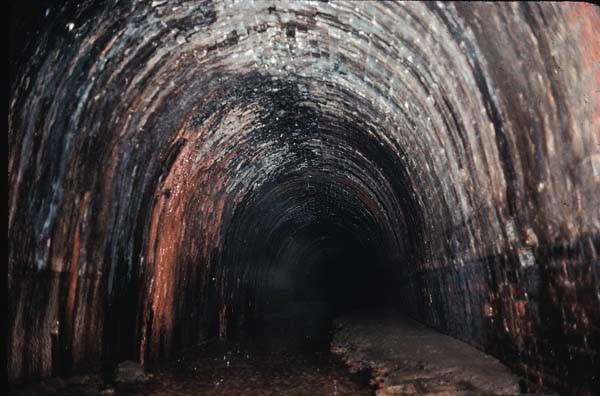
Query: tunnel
[(184, 171)]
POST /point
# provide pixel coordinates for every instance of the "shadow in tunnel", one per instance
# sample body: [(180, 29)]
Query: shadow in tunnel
[(300, 255), (336, 276)]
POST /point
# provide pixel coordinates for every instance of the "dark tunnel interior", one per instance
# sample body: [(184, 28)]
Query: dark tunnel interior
[(306, 254), (188, 171), (317, 238)]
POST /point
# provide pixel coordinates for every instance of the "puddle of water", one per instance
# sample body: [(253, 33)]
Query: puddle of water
[(237, 369)]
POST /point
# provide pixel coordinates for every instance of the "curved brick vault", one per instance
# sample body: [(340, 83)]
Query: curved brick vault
[(177, 169)]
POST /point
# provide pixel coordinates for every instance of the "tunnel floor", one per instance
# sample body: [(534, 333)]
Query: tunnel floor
[(248, 369), (407, 358), (363, 353)]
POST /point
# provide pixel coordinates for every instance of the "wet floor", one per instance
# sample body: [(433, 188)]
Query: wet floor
[(234, 369)]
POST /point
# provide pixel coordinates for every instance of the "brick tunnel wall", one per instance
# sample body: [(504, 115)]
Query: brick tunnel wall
[(528, 294), (463, 140)]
